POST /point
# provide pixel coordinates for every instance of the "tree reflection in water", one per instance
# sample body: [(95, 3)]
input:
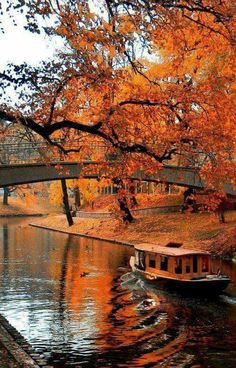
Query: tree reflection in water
[(98, 321)]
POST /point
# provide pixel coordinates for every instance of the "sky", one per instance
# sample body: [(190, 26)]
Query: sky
[(18, 45)]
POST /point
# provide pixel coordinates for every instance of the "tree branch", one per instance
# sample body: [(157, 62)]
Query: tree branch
[(47, 130), (143, 102)]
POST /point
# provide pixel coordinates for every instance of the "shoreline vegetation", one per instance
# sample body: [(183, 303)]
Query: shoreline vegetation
[(194, 230), (20, 207)]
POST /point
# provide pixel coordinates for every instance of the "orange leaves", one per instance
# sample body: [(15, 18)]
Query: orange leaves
[(157, 82), (112, 51), (126, 25), (55, 193)]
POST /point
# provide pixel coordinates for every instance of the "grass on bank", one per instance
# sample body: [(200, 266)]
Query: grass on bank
[(25, 206), (106, 203), (195, 230)]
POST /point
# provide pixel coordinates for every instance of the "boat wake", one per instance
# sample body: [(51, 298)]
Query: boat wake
[(228, 299), (130, 280), (153, 327)]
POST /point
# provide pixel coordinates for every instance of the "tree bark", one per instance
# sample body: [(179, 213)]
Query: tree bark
[(133, 199), (122, 200), (66, 203), (126, 214), (6, 193), (221, 210), (77, 197), (221, 216)]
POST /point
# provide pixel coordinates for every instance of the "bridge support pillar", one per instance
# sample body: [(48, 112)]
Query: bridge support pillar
[(66, 202), (6, 193)]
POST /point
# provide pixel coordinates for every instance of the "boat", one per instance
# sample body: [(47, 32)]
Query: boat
[(178, 268)]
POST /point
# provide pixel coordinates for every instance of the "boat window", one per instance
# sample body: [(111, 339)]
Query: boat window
[(195, 264), (142, 260), (178, 265), (164, 263), (205, 264), (188, 264), (152, 260)]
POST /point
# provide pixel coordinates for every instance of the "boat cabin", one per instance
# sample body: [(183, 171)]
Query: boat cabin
[(171, 261)]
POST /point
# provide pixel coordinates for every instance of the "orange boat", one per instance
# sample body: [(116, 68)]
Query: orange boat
[(180, 268)]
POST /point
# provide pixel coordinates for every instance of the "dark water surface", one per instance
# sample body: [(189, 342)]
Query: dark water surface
[(99, 321)]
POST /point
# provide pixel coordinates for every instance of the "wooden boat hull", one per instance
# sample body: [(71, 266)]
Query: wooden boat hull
[(197, 287)]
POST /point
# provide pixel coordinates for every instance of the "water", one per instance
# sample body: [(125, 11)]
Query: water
[(100, 320)]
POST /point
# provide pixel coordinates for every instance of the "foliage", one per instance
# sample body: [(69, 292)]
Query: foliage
[(55, 193), (192, 231), (89, 190), (152, 82)]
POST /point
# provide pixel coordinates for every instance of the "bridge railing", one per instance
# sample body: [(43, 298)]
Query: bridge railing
[(41, 152)]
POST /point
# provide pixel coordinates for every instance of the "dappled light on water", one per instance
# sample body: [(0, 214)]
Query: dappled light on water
[(75, 300)]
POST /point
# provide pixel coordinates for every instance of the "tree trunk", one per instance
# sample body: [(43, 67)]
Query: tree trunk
[(66, 202), (122, 200), (221, 217), (77, 197), (6, 193), (133, 199), (221, 210), (126, 214)]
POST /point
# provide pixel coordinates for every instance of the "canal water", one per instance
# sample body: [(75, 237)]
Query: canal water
[(65, 296)]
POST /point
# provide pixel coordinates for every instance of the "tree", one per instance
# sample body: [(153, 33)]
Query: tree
[(152, 80), (123, 201)]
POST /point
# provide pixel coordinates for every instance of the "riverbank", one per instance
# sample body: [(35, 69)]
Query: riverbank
[(15, 351), (194, 230), (106, 203), (7, 361), (18, 207)]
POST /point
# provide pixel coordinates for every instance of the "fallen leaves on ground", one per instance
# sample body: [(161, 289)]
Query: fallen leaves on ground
[(194, 230)]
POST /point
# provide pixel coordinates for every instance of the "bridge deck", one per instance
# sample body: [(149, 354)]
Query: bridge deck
[(21, 163), (17, 174)]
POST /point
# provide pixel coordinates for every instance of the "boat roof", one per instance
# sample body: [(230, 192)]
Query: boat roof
[(164, 250)]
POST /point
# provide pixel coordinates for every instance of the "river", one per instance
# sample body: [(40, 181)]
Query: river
[(97, 321)]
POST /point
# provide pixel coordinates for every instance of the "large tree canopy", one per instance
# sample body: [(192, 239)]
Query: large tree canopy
[(153, 79)]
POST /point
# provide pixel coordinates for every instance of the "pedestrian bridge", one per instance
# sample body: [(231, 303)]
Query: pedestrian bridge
[(20, 166), (17, 174)]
